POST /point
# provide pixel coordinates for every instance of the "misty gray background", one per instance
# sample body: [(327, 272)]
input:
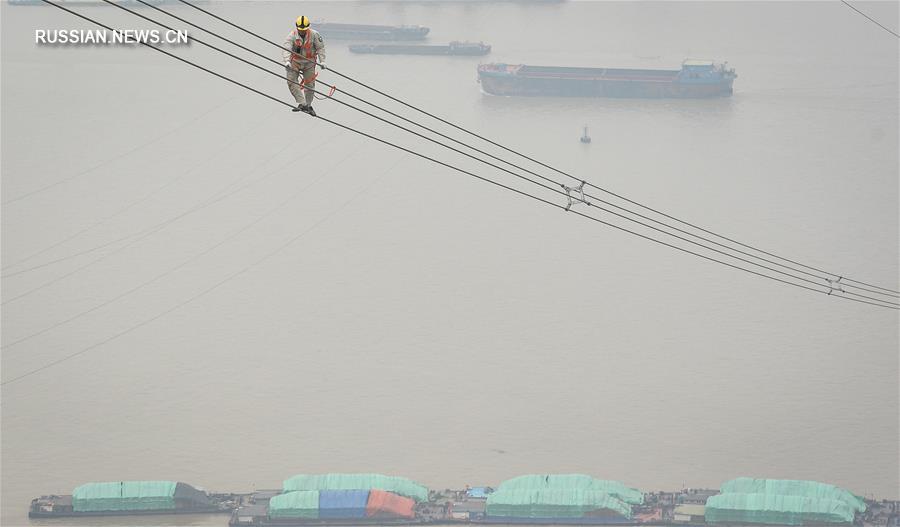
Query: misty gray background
[(426, 324)]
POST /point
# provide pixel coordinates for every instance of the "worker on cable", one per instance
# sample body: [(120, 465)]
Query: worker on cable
[(303, 49)]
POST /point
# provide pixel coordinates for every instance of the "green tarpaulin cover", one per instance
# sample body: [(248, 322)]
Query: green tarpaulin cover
[(124, 496), (776, 509), (793, 487), (297, 504), (574, 481), (552, 503), (402, 486)]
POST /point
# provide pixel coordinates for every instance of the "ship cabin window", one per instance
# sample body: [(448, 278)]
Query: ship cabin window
[(696, 69)]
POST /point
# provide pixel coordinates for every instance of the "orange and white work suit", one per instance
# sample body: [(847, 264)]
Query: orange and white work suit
[(305, 52)]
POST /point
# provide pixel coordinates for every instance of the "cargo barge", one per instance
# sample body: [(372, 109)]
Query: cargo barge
[(695, 79), (371, 500), (128, 498), (338, 31), (453, 48), (336, 500)]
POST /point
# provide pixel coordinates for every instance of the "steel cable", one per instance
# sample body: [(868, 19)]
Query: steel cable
[(150, 231), (389, 112), (892, 292), (486, 162), (831, 292), (293, 239)]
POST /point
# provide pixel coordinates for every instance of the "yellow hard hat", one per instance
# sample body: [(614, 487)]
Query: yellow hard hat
[(302, 22)]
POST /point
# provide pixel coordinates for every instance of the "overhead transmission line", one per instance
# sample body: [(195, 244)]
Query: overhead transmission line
[(335, 89), (116, 157), (153, 229), (834, 287), (835, 276), (158, 226), (891, 31), (159, 315), (204, 292), (880, 303), (186, 261), (555, 183), (140, 200), (292, 240)]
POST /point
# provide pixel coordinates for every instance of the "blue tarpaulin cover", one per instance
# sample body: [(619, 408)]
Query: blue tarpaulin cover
[(479, 492), (343, 503)]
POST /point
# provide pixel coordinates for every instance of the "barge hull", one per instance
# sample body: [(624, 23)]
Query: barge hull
[(154, 512), (590, 520), (388, 49), (262, 521), (531, 87), (539, 81), (258, 521)]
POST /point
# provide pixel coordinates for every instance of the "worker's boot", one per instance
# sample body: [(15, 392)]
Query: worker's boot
[(300, 108), (310, 111)]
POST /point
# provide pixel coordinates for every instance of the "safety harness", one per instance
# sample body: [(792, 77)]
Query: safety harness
[(303, 47)]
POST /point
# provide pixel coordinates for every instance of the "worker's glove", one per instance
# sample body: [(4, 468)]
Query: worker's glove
[(287, 64), (322, 66)]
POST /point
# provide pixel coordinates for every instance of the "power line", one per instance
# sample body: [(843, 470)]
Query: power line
[(830, 290), (605, 222), (110, 160), (473, 157), (433, 116), (206, 291), (220, 50), (595, 198), (146, 233), (138, 201), (191, 210), (446, 146), (292, 240), (825, 279), (187, 261), (891, 31)]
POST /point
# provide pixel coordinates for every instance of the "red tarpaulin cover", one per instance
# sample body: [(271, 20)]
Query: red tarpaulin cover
[(388, 504)]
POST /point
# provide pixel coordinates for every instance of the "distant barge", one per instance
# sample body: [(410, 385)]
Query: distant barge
[(370, 32), (453, 48), (695, 79), (127, 498)]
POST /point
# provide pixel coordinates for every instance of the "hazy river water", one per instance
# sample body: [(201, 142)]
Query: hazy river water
[(426, 324)]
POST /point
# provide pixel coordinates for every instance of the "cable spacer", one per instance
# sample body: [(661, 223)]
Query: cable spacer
[(578, 196), (835, 285)]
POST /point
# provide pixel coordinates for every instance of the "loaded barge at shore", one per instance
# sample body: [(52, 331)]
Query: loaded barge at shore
[(453, 48), (370, 32), (127, 498), (695, 79), (371, 500)]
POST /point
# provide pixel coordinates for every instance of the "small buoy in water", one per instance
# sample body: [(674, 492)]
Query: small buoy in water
[(585, 138)]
